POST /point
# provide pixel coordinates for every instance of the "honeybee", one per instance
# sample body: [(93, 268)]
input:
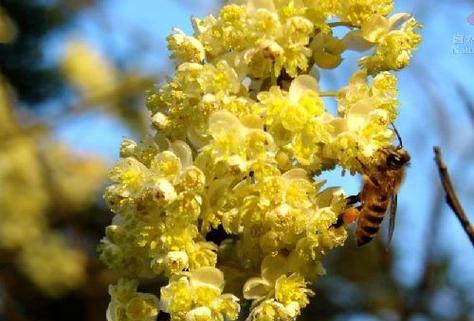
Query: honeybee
[(379, 192)]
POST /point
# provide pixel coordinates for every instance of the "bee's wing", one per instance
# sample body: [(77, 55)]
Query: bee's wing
[(393, 214)]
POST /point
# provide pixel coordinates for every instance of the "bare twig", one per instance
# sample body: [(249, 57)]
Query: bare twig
[(451, 197), (341, 24), (9, 309)]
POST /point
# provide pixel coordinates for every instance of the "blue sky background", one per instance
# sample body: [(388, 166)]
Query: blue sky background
[(435, 69)]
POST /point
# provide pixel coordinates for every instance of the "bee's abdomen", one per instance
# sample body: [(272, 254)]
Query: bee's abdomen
[(370, 219)]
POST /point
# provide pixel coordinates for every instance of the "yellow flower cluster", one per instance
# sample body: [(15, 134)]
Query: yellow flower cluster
[(85, 68), (226, 188), (36, 176), (394, 40), (99, 82), (158, 201), (8, 30), (197, 296), (52, 265), (128, 304)]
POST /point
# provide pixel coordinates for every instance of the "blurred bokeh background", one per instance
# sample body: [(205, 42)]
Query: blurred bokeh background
[(73, 75)]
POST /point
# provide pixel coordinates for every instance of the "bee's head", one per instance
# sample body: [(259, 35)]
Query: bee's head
[(397, 158)]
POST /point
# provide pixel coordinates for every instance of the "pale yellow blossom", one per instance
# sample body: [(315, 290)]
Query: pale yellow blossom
[(228, 183)]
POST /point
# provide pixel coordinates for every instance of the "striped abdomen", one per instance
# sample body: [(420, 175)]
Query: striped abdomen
[(375, 203)]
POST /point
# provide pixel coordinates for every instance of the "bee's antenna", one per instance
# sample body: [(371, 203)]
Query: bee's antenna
[(398, 135)]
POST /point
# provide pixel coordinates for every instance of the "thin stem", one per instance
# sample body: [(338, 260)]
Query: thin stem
[(341, 24), (451, 197), (328, 93)]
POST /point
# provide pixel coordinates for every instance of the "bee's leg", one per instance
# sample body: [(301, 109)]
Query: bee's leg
[(347, 217), (351, 200), (343, 217), (365, 170), (362, 165), (351, 214), (339, 222), (252, 177)]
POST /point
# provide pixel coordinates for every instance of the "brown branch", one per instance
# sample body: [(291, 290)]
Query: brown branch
[(451, 197), (9, 309), (341, 24)]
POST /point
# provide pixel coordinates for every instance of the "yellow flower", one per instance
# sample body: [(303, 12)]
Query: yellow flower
[(198, 296), (246, 100), (272, 268), (267, 37), (53, 266), (297, 119), (271, 310), (67, 169), (260, 59), (394, 39), (181, 107), (276, 295), (86, 69), (366, 114), (292, 290), (176, 261), (359, 11), (296, 33), (185, 48), (166, 164), (327, 50), (8, 31), (236, 145), (129, 305)]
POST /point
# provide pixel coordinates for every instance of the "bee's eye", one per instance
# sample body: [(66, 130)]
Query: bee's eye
[(394, 160)]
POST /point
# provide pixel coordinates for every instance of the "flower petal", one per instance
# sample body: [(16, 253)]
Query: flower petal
[(222, 122), (296, 173), (374, 28), (300, 85), (398, 19), (183, 152), (207, 276), (353, 40), (253, 5), (255, 288), (274, 266)]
